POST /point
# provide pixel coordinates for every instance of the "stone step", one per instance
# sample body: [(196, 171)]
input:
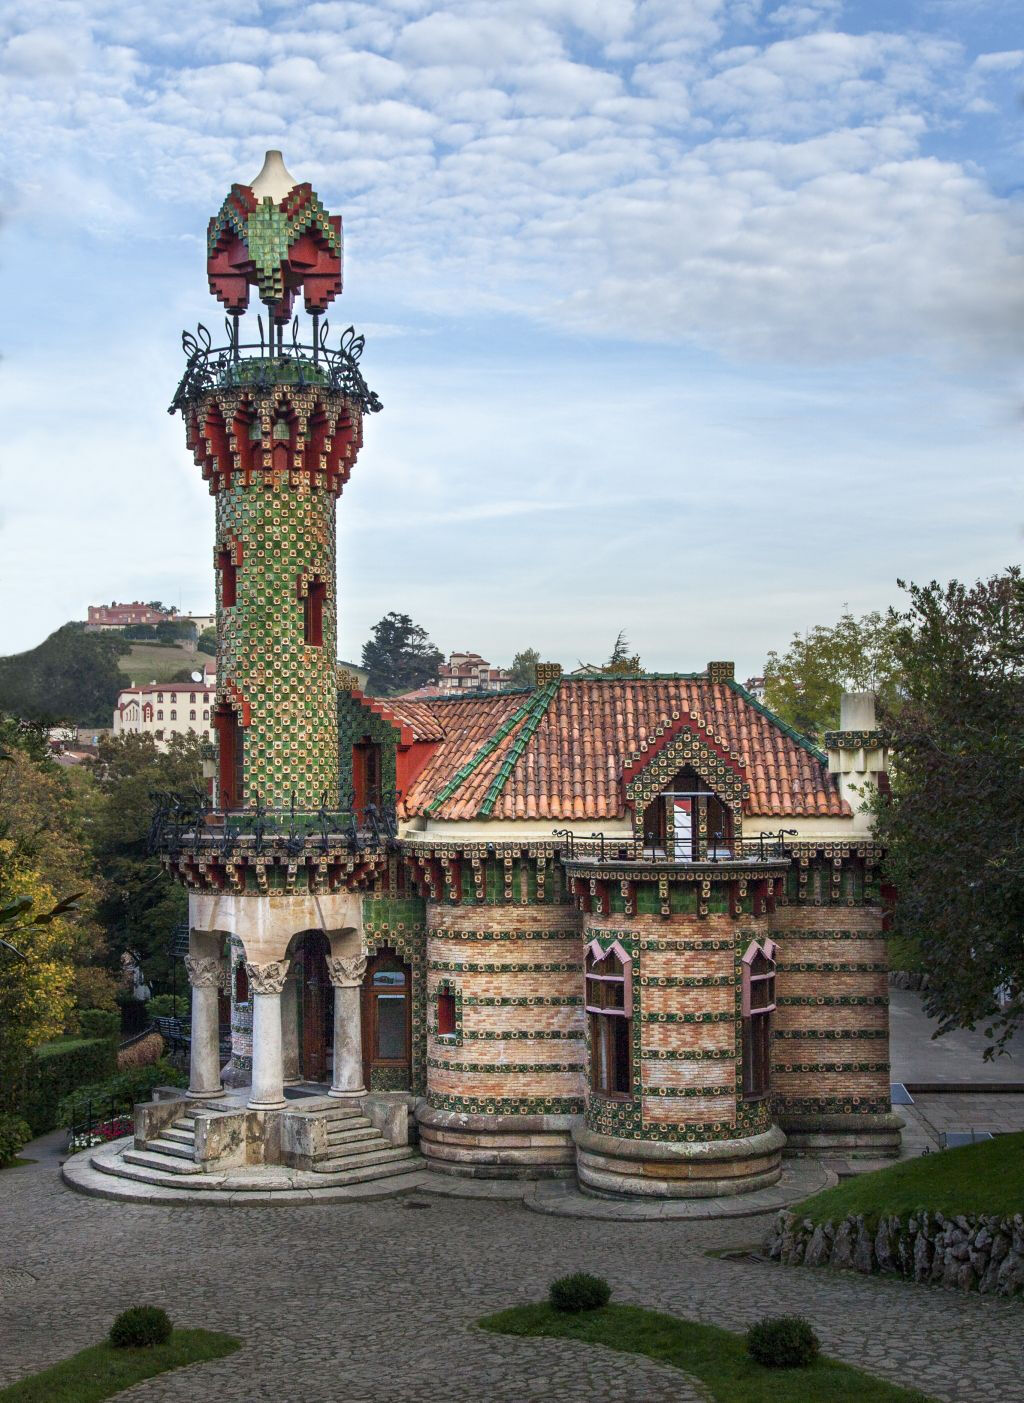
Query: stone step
[(167, 1163), (340, 1112), (178, 1135), (387, 1170), (359, 1132), (128, 1167), (160, 1146), (354, 1148), (385, 1154)]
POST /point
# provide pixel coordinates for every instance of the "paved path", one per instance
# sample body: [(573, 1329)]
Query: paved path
[(955, 1057), (365, 1302)]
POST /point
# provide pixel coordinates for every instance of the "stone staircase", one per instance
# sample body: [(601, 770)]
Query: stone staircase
[(357, 1151), (173, 1152)]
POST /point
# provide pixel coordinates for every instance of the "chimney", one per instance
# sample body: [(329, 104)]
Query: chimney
[(721, 672), (548, 672), (857, 753)]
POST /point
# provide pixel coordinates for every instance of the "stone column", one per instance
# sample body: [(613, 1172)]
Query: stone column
[(265, 985), (347, 978), (205, 975)]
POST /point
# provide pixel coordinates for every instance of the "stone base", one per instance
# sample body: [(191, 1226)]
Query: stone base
[(497, 1147), (853, 1137), (610, 1166)]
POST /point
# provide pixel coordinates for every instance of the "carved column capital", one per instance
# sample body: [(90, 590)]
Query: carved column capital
[(346, 972), (268, 978), (204, 971)]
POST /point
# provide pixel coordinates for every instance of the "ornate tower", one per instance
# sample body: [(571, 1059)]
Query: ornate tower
[(274, 418), (275, 424)]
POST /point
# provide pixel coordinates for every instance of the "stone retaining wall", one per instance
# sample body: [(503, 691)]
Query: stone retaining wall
[(967, 1252)]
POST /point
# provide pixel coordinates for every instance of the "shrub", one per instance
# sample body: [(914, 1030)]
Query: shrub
[(142, 1053), (54, 1071), (133, 1084), (140, 1327), (580, 1291), (14, 1132), (169, 1006), (99, 1023), (782, 1342)]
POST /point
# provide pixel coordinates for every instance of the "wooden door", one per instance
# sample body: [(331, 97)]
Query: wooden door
[(387, 1023), (317, 1007)]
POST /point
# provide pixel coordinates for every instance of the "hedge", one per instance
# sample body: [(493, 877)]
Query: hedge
[(57, 1068)]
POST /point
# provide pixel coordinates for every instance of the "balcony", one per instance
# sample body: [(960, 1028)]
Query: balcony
[(601, 851)]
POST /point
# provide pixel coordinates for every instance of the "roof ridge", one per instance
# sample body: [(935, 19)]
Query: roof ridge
[(489, 746), (535, 711), (783, 726)]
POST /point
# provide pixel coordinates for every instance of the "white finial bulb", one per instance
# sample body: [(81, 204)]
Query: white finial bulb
[(274, 179)]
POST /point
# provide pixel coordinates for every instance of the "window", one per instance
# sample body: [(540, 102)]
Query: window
[(174, 716), (228, 577), (230, 757), (758, 1007), (159, 735), (159, 716), (191, 716), (313, 613), (241, 983), (191, 696), (445, 1013), (159, 696), (609, 1004), (206, 715)]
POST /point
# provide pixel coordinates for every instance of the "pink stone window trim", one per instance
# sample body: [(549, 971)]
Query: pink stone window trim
[(595, 954)]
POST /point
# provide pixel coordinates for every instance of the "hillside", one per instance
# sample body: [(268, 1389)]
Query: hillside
[(155, 662), (72, 676)]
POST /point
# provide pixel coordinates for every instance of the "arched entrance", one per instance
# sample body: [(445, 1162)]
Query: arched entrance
[(387, 1023), (315, 1006)]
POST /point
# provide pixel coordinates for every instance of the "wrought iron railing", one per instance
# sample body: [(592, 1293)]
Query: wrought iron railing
[(187, 821), (100, 1121), (615, 848), (273, 360)]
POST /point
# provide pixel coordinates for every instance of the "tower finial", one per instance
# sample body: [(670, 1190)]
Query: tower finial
[(274, 179)]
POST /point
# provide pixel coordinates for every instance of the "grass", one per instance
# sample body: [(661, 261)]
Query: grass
[(717, 1357), (101, 1371), (984, 1178), (149, 662)]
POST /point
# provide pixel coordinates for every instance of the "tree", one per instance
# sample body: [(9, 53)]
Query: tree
[(622, 662), (804, 685), (953, 829), (399, 656), (207, 642), (71, 676), (523, 672)]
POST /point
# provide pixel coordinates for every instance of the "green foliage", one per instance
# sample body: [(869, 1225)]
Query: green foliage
[(140, 1327), (99, 1023), (133, 1084), (207, 642), (783, 1342), (952, 828), (523, 672), (71, 676), (14, 1133), (139, 631), (717, 1357), (55, 1070), (622, 662), (987, 1178), (804, 685), (580, 1291), (399, 656), (102, 1371), (169, 1006)]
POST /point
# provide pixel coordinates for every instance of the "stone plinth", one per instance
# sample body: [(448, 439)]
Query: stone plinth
[(671, 1169)]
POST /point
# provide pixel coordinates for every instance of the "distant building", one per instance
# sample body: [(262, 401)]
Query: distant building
[(164, 709), (107, 616), (755, 686), (201, 621), (469, 672)]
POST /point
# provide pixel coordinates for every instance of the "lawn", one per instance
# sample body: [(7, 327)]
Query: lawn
[(717, 1357), (148, 662), (985, 1178), (101, 1371)]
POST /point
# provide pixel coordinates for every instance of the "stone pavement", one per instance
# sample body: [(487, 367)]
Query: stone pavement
[(370, 1301), (955, 1057)]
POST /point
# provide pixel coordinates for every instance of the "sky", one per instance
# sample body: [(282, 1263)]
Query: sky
[(697, 319)]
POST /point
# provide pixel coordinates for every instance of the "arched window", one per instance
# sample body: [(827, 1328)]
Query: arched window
[(241, 983), (609, 1004), (757, 1007)]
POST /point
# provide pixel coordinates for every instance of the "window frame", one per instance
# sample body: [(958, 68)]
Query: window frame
[(601, 1016), (756, 1022)]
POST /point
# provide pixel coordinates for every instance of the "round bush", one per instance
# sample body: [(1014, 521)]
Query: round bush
[(581, 1291), (140, 1327), (14, 1132), (783, 1342)]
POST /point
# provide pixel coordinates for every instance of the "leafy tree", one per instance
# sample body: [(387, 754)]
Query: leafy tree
[(523, 671), (399, 656), (139, 905), (953, 829), (622, 662), (36, 975), (139, 632), (207, 642), (805, 683), (71, 676)]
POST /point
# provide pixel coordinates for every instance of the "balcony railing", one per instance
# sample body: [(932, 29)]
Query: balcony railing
[(613, 848), (185, 822)]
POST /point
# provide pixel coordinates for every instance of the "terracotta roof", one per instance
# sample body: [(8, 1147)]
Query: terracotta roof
[(559, 752)]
